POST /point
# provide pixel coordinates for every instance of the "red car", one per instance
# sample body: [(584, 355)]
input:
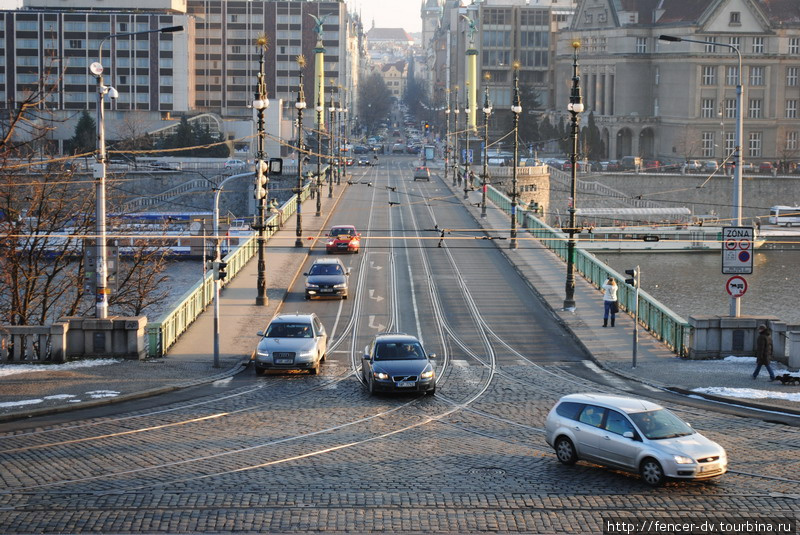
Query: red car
[(343, 239)]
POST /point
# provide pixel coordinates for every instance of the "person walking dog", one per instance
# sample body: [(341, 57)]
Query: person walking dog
[(610, 307), (764, 351)]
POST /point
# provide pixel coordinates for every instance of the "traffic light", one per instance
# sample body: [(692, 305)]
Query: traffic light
[(427, 127), (260, 188), (222, 270), (634, 277)]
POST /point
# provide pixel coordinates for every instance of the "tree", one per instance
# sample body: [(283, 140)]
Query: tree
[(85, 138), (529, 122), (416, 98), (375, 101), (593, 147)]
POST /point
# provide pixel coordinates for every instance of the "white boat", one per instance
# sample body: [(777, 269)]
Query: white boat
[(655, 238)]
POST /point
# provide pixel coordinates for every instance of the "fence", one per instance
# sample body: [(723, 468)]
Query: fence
[(668, 327), (165, 331)]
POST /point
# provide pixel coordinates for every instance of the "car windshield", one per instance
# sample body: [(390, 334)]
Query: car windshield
[(342, 232), (660, 424), (399, 351), (326, 269), (289, 330)]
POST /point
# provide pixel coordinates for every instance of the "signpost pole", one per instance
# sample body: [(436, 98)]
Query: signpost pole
[(737, 259)]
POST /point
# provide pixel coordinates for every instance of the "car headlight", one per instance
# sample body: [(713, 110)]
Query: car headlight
[(331, 242), (311, 285), (682, 459), (262, 354), (306, 354), (427, 374), (340, 286), (380, 375)]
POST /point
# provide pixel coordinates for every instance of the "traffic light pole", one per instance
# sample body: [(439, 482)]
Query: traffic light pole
[(635, 281)]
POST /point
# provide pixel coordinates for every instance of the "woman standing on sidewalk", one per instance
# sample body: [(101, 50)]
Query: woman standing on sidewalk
[(609, 301)]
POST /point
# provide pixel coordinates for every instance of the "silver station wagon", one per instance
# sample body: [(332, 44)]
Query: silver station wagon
[(292, 342), (633, 435)]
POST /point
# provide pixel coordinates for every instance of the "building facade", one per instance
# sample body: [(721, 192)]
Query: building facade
[(676, 101)]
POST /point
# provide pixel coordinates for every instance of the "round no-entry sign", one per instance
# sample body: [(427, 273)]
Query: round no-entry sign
[(736, 286)]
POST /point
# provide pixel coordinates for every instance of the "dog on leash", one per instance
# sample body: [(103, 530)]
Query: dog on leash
[(788, 379)]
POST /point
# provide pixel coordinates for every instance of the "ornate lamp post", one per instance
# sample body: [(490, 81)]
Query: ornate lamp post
[(487, 111), (300, 105), (101, 252), (516, 109), (447, 135), (342, 137), (260, 103), (455, 141), (467, 155), (574, 107), (319, 108), (331, 132)]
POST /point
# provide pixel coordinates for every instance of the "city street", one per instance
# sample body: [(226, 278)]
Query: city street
[(299, 453)]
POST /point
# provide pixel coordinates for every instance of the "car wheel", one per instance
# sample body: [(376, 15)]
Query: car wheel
[(344, 296), (314, 370), (260, 371), (565, 451), (651, 472), (430, 392), (372, 387)]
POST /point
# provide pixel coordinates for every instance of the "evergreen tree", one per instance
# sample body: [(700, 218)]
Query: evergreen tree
[(85, 136)]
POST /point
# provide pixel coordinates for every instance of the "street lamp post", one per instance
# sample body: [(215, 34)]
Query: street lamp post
[(340, 111), (331, 132), (487, 111), (319, 108), (736, 201), (99, 171), (516, 109), (447, 135), (455, 140), (574, 107), (467, 155), (300, 105), (260, 103)]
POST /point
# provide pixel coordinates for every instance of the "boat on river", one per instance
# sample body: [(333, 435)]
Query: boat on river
[(652, 238)]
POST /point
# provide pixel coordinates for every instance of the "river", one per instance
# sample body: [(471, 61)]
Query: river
[(692, 283)]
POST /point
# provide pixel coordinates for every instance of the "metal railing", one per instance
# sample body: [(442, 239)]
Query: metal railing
[(164, 332), (663, 323)]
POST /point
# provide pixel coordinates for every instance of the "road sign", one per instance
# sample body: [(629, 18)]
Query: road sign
[(466, 155), (737, 258), (736, 286)]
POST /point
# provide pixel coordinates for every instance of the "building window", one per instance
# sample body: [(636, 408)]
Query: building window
[(755, 145), (641, 45), (791, 108), (735, 41), (794, 45), (758, 45), (791, 76), (707, 108), (755, 108), (730, 108), (27, 25), (493, 38), (731, 75), (708, 144), (710, 47), (730, 143), (735, 19), (75, 26), (76, 43), (756, 75), (165, 98), (658, 75), (709, 75), (791, 140)]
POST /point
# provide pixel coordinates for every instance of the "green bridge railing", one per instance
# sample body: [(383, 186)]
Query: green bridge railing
[(670, 328), (164, 332)]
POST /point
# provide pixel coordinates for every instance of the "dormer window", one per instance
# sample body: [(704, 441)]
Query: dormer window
[(736, 18)]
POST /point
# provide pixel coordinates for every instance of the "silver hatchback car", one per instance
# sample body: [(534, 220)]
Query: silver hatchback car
[(633, 435), (292, 342)]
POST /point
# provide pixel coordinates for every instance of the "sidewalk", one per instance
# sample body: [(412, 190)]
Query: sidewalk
[(190, 361), (45, 390)]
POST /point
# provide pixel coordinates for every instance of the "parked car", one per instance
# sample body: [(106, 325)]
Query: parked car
[(630, 163), (164, 166), (327, 278), (234, 164), (652, 165), (343, 239), (693, 166), (631, 434), (710, 166), (422, 173), (765, 167), (397, 362), (292, 342)]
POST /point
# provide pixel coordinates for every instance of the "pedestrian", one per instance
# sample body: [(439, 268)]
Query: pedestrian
[(764, 351), (610, 307)]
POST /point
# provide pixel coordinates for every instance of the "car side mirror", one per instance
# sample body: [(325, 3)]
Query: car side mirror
[(628, 434), (260, 334), (432, 356), (305, 274), (347, 272)]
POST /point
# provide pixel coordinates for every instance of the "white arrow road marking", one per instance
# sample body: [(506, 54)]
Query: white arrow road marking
[(373, 266), (222, 382), (380, 326), (372, 296)]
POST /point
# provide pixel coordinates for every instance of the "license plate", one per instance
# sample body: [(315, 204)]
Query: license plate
[(283, 361), (325, 290), (406, 384), (708, 468)]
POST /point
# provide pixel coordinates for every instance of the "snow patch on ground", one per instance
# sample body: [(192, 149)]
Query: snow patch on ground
[(14, 369), (748, 393)]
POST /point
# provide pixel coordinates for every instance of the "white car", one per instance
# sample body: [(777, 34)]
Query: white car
[(631, 434), (234, 164), (292, 342)]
